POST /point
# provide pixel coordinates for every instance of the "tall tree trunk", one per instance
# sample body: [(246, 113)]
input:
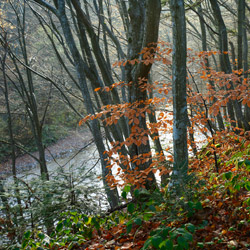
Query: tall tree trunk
[(179, 75), (143, 32), (245, 61), (111, 193)]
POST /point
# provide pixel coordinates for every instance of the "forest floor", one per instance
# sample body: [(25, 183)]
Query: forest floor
[(61, 149)]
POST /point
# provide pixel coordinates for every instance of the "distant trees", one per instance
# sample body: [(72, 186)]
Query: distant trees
[(220, 34)]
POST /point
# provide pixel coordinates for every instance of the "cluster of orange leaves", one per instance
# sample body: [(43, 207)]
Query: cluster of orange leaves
[(228, 86)]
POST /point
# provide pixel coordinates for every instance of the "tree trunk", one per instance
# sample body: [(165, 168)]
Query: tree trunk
[(111, 193), (245, 61), (179, 93), (143, 32), (11, 135)]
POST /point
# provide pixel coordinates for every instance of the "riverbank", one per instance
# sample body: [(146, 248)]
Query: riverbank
[(61, 149)]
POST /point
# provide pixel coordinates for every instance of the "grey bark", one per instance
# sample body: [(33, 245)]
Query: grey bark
[(143, 32), (79, 65), (179, 91), (245, 67)]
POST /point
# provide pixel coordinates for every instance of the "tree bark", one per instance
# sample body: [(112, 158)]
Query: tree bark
[(111, 193), (179, 75)]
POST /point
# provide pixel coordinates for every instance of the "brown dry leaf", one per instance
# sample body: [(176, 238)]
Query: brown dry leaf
[(224, 231), (127, 245), (110, 243), (232, 243)]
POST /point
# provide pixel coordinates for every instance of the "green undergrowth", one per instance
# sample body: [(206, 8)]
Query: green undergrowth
[(211, 212)]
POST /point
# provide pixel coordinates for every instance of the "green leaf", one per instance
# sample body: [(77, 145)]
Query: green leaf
[(27, 235), (152, 208), (190, 227), (66, 232), (248, 168), (237, 187), (165, 232), (200, 244), (138, 221), (147, 216), (188, 236), (198, 205), (190, 204), (129, 227), (59, 227), (89, 220), (247, 162), (95, 223), (127, 188), (182, 242), (156, 241), (247, 186), (181, 231), (75, 219), (25, 243), (39, 248), (228, 175), (169, 244), (136, 193), (147, 244), (131, 207), (41, 236), (86, 219), (67, 223), (124, 195), (52, 234)]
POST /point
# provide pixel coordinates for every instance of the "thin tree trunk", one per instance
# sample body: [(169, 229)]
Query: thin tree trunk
[(10, 128), (207, 65)]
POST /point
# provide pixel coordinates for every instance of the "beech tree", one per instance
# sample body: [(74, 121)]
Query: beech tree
[(179, 90)]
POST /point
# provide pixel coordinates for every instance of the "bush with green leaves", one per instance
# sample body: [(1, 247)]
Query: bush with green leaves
[(152, 206), (43, 202), (167, 238)]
